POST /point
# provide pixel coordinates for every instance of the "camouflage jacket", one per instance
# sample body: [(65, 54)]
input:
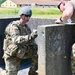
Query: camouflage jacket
[(17, 34)]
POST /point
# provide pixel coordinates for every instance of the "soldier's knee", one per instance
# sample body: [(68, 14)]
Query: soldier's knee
[(73, 50), (73, 46)]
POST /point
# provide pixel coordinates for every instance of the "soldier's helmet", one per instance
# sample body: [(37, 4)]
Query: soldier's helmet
[(25, 10)]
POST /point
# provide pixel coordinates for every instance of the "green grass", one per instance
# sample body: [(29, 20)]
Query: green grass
[(37, 12), (46, 12), (9, 11)]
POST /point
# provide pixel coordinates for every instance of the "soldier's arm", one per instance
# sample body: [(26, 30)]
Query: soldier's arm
[(67, 14), (17, 38)]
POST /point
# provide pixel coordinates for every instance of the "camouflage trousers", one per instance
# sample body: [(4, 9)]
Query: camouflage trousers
[(73, 58), (12, 64)]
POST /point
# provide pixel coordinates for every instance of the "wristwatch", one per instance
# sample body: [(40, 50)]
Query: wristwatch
[(61, 19)]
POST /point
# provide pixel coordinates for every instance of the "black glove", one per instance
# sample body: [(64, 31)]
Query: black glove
[(34, 34)]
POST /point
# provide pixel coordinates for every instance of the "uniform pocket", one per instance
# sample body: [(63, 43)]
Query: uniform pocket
[(12, 49)]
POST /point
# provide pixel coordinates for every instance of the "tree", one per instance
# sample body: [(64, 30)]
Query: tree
[(1, 1)]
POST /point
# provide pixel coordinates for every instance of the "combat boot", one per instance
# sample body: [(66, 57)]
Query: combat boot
[(32, 73), (1, 71)]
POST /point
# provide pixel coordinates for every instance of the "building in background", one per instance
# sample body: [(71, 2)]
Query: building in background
[(32, 3)]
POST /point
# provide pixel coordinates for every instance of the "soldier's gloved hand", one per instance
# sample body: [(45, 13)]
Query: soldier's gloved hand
[(34, 34)]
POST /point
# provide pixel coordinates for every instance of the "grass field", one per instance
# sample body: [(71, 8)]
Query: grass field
[(37, 12)]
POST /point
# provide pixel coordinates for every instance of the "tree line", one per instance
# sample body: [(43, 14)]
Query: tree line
[(1, 1)]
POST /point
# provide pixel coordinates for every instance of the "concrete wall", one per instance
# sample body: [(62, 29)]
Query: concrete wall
[(33, 23), (54, 49)]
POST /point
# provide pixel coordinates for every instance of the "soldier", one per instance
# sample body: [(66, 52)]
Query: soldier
[(67, 7), (19, 43)]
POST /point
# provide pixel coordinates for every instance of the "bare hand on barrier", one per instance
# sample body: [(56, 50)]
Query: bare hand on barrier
[(59, 21)]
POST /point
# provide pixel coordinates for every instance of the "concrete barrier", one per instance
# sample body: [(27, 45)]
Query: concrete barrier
[(54, 49)]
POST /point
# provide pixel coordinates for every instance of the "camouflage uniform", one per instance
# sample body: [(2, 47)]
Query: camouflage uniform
[(18, 44), (73, 58)]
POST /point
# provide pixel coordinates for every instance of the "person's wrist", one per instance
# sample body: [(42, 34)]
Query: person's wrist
[(61, 19)]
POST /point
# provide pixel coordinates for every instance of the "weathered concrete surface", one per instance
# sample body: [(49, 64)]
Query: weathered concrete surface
[(54, 49)]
